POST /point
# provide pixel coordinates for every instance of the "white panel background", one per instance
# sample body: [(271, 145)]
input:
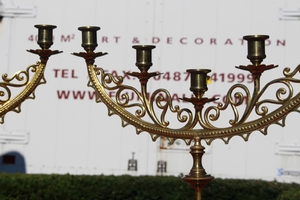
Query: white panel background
[(77, 136)]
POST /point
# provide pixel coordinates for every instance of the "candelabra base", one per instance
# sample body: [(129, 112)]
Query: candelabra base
[(198, 183)]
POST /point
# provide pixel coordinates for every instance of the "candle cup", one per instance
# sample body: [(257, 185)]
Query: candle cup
[(89, 37), (198, 81), (143, 57), (45, 36), (256, 48)]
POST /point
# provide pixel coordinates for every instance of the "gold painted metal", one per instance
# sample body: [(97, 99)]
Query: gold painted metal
[(27, 79), (204, 116)]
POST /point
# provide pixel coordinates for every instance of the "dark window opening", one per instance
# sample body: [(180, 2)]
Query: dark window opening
[(8, 159)]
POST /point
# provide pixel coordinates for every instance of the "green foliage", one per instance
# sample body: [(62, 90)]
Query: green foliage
[(223, 189), (125, 187), (33, 187), (291, 194)]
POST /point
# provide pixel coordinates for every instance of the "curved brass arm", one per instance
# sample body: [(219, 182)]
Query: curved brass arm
[(204, 116), (8, 102), (187, 134)]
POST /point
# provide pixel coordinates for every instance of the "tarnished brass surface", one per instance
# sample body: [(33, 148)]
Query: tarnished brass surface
[(143, 57), (198, 81), (89, 37), (28, 79), (256, 48), (203, 116), (45, 36)]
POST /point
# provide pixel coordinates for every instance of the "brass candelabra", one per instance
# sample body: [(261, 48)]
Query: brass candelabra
[(27, 79), (204, 115)]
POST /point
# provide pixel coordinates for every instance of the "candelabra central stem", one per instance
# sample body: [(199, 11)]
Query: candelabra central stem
[(197, 177)]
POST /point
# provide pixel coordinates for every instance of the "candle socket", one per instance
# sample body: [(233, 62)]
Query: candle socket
[(45, 36), (89, 37), (143, 57), (198, 81), (256, 48)]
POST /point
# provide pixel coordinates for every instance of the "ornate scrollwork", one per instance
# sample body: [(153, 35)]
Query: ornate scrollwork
[(198, 125), (23, 78), (202, 117)]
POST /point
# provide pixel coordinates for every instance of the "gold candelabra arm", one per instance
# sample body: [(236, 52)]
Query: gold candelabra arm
[(160, 98), (201, 116), (27, 79), (9, 103), (209, 133), (204, 116), (121, 103), (254, 101)]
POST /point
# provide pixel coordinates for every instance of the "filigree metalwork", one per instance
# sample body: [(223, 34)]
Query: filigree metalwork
[(199, 124), (9, 103), (28, 79), (159, 127)]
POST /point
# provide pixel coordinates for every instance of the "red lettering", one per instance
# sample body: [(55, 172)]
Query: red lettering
[(73, 74), (242, 41), (175, 97), (114, 73), (169, 40), (183, 41), (105, 39), (64, 73), (228, 41), (125, 75), (65, 38), (132, 96), (198, 40), (282, 43), (117, 39), (63, 94), (91, 94), (79, 94), (213, 41), (155, 40), (112, 94), (56, 72)]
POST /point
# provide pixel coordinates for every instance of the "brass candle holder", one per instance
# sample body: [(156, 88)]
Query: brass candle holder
[(204, 115), (23, 79)]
